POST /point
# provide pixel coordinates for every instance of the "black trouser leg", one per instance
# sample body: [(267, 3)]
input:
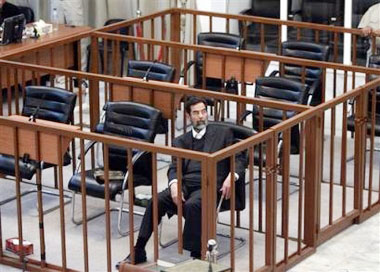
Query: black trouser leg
[(193, 219), (165, 204)]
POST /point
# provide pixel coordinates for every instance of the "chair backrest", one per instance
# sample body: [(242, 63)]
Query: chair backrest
[(157, 70), (374, 62), (322, 11), (279, 89), (28, 13), (239, 133), (49, 103), (130, 120), (121, 31), (305, 50), (283, 90), (215, 39), (266, 8)]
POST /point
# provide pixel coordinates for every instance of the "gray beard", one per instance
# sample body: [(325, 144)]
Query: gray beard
[(198, 127)]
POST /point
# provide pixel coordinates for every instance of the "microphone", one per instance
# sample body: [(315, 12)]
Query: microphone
[(32, 117), (145, 77)]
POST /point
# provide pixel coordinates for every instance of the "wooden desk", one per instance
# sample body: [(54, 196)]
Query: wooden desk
[(39, 51), (27, 139)]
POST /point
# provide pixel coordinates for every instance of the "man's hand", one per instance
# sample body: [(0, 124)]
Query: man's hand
[(366, 31), (174, 193), (226, 188), (376, 32)]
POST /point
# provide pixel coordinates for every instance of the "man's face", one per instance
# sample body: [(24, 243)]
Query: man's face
[(198, 116), (2, 3)]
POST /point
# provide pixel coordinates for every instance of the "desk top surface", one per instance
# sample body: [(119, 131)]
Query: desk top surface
[(63, 32)]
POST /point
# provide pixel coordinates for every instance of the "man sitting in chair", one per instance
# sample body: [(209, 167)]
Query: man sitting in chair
[(202, 138)]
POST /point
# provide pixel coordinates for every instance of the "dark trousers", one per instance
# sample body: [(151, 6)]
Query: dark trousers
[(191, 212)]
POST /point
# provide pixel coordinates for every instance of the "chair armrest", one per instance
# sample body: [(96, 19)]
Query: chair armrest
[(189, 64), (312, 89), (134, 160), (87, 147), (245, 115), (246, 12), (274, 73)]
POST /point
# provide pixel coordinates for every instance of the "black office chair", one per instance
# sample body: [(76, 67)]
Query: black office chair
[(239, 133), (215, 39), (262, 8), (374, 62), (279, 89), (151, 70), (155, 71), (328, 12), (48, 103), (28, 13), (313, 75), (123, 119), (124, 47)]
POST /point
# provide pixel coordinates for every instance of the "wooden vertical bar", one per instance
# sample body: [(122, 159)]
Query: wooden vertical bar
[(61, 202), (84, 205), (107, 205), (208, 174), (131, 202), (360, 147), (270, 202), (332, 163), (313, 175), (251, 208), (179, 206), (175, 36), (94, 87), (300, 191), (372, 146), (155, 204), (343, 164), (232, 212)]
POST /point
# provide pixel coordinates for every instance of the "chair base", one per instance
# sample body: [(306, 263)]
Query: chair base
[(5, 201), (120, 211)]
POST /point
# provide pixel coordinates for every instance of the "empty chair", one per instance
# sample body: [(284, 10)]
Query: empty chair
[(129, 120), (283, 90), (262, 8), (328, 12), (313, 75), (48, 103), (155, 71), (124, 47)]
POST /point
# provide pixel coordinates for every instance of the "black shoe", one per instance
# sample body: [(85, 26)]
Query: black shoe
[(195, 255), (140, 257)]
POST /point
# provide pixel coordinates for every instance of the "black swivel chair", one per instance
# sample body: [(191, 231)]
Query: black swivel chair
[(239, 133), (313, 75), (155, 71), (28, 13), (122, 119), (374, 62), (262, 8), (48, 103), (215, 39), (283, 90), (328, 12), (124, 47)]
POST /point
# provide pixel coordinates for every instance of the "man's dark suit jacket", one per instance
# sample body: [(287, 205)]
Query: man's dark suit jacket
[(216, 138), (8, 10)]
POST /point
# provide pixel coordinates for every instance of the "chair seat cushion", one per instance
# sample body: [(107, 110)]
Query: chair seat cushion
[(351, 124), (27, 168), (96, 189), (93, 187)]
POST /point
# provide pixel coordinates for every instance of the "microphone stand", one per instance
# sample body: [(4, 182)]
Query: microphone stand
[(32, 117), (145, 77)]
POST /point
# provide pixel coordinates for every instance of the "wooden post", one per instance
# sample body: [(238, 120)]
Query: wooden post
[(175, 36), (360, 147), (313, 175), (270, 202), (94, 86)]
